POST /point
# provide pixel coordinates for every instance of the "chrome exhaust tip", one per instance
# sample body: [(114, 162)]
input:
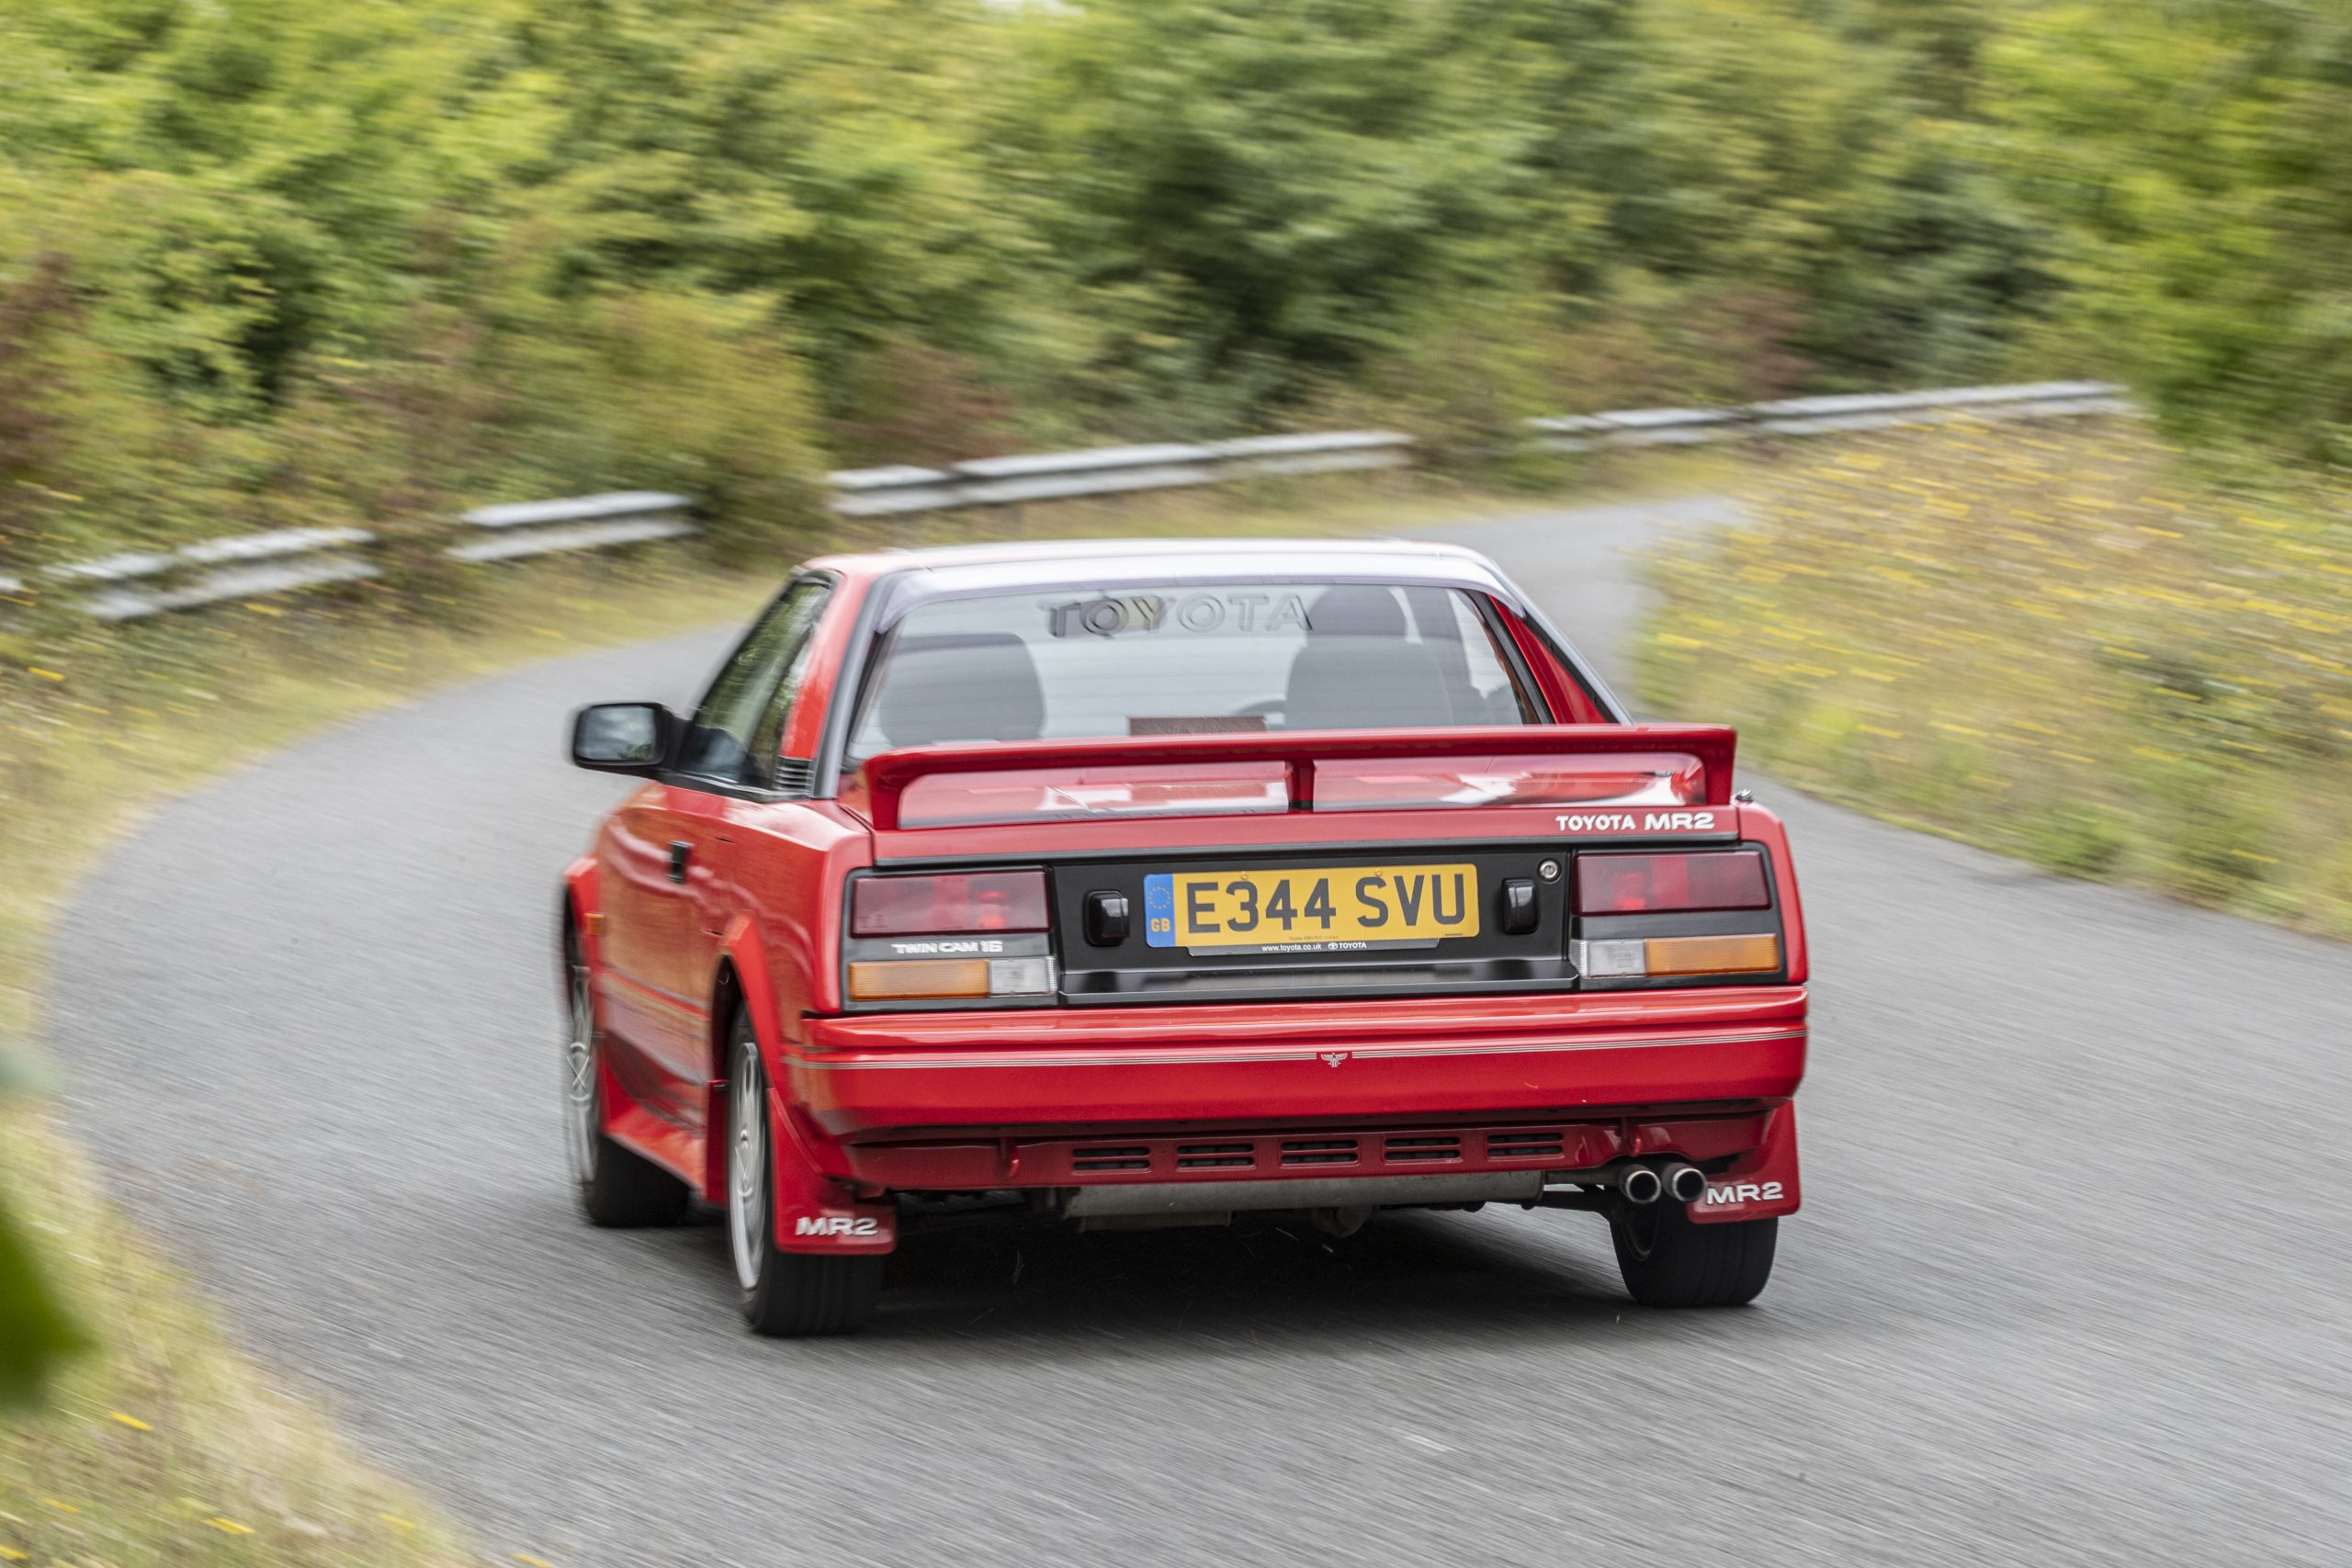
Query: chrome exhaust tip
[(1640, 1186), (1685, 1183)]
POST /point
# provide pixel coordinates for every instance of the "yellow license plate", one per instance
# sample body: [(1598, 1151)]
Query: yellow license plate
[(1327, 909)]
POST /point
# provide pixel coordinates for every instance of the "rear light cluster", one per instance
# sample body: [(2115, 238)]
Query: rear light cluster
[(980, 936), (1642, 883), (960, 910), (1696, 882)]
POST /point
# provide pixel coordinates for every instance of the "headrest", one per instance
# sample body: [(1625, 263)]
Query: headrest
[(1356, 610), (960, 686)]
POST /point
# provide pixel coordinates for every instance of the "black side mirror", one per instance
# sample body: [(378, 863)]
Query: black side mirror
[(623, 738)]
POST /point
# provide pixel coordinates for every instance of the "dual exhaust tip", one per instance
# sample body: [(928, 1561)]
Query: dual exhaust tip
[(1642, 1185)]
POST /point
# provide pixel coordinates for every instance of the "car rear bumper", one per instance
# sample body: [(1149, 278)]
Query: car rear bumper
[(1497, 1062), (1459, 1160)]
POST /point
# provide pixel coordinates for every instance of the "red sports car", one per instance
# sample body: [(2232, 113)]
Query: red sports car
[(1151, 883)]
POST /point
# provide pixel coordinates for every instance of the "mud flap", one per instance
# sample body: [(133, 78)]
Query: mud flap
[(1761, 1184), (814, 1212)]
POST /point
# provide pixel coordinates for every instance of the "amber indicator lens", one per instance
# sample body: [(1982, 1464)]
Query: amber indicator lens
[(892, 982), (1639, 883), (1711, 954), (934, 979), (960, 901)]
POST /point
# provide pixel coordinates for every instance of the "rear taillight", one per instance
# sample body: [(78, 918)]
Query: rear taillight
[(948, 904), (1644, 884), (950, 936)]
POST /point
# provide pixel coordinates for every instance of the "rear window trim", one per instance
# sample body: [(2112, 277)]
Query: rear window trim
[(896, 594)]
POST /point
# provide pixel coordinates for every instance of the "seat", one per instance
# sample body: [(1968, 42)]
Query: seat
[(1357, 671), (960, 686)]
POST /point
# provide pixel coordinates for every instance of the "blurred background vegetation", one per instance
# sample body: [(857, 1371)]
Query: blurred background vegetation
[(269, 261), (280, 263), (2077, 645)]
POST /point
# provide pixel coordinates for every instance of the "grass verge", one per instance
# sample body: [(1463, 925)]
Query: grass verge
[(168, 1445), (2067, 643)]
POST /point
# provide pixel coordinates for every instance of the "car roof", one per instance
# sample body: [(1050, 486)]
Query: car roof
[(1096, 550), (907, 578)]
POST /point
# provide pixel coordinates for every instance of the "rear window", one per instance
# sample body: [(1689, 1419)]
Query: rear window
[(1219, 659)]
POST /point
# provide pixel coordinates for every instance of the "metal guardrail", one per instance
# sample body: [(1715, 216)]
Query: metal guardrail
[(1824, 416), (247, 566), (585, 522), (1102, 471), (1107, 470), (127, 587)]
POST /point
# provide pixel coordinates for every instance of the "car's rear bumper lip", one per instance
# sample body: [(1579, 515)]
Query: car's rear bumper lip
[(857, 1078), (1210, 1056), (1272, 1158)]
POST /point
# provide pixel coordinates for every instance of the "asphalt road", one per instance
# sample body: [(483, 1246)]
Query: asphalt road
[(2071, 1285)]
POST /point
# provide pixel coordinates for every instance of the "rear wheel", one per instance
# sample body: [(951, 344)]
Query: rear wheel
[(785, 1293), (617, 1187), (1668, 1261)]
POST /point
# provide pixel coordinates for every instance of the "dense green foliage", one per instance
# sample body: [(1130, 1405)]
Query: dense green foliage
[(276, 261), (2196, 160)]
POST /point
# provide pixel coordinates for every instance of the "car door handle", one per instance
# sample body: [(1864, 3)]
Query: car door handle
[(679, 850)]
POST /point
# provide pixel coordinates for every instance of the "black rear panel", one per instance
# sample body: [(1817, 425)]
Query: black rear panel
[(1287, 951)]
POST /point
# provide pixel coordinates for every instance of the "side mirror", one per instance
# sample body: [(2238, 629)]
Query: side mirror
[(622, 738)]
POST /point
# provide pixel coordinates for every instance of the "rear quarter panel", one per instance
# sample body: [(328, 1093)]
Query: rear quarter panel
[(792, 859)]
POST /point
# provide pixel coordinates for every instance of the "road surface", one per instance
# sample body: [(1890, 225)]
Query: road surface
[(2070, 1286)]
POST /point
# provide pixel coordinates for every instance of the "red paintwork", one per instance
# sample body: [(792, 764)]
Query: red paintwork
[(1773, 1158), (1566, 696), (1112, 1066), (803, 1190), (980, 1098)]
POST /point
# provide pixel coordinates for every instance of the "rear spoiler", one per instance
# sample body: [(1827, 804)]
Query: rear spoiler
[(885, 778)]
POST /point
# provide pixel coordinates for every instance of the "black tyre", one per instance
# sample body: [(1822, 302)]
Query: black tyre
[(1668, 1261), (784, 1293), (617, 1187)]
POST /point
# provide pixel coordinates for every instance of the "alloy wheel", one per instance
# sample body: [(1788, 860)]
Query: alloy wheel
[(747, 1167), (583, 1117)]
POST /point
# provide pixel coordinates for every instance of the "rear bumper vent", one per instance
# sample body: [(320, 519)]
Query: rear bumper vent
[(1240, 1155), (1543, 1143), (1129, 1157), (1215, 1157)]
